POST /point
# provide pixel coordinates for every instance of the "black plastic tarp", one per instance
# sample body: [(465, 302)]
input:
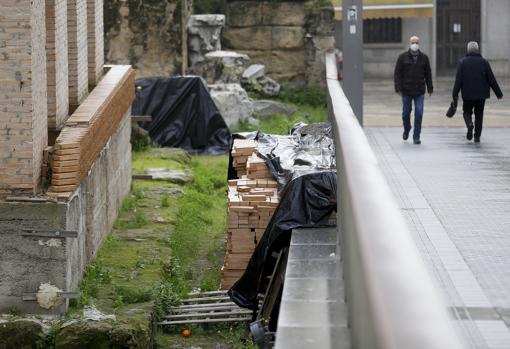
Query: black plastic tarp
[(304, 165), (307, 201), (183, 114)]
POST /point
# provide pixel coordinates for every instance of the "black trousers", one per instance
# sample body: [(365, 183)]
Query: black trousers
[(478, 106)]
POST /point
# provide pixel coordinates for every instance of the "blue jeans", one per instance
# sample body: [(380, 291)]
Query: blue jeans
[(407, 107)]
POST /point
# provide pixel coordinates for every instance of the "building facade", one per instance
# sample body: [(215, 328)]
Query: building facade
[(444, 27)]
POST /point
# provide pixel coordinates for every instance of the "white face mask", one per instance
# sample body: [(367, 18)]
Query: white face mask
[(414, 47)]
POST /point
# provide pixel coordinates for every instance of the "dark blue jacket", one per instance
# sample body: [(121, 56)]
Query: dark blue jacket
[(475, 78), (411, 76)]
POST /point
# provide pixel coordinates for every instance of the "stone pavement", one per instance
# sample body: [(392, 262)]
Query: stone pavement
[(455, 196), (383, 107)]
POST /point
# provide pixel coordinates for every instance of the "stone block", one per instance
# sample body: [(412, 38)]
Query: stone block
[(28, 261), (263, 108), (288, 65), (254, 71), (221, 67), (244, 13), (287, 37), (21, 333), (269, 87), (232, 101), (283, 13), (252, 38)]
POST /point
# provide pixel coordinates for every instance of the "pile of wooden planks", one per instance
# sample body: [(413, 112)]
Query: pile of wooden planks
[(88, 129), (242, 149), (256, 167), (252, 200)]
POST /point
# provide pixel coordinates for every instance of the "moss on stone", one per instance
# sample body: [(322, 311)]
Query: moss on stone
[(84, 335), (21, 334)]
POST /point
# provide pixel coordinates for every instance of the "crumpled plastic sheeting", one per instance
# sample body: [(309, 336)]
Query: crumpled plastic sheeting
[(48, 296), (308, 149), (304, 165), (92, 313)]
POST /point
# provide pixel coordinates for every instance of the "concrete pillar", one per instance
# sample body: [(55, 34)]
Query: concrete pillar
[(95, 39), (23, 101), (352, 47), (78, 52), (495, 27), (57, 62)]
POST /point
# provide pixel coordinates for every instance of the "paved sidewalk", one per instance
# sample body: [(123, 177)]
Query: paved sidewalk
[(383, 107), (455, 196)]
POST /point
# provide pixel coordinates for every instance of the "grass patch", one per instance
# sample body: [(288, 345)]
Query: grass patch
[(283, 124), (198, 240), (145, 266), (310, 104)]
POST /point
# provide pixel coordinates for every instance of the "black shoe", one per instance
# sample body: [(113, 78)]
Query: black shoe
[(477, 139), (405, 135), (416, 141), (469, 134)]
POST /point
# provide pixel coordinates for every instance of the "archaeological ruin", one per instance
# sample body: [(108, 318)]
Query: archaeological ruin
[(64, 148)]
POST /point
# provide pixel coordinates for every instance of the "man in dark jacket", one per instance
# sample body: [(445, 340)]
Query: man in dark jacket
[(412, 72), (474, 78)]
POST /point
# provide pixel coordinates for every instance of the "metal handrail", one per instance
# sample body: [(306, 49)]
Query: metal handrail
[(391, 298)]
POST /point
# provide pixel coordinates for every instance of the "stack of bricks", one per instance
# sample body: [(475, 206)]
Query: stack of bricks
[(256, 167), (88, 129), (251, 205), (241, 151), (252, 201)]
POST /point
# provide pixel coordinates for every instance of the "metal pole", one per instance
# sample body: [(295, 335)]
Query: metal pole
[(352, 47)]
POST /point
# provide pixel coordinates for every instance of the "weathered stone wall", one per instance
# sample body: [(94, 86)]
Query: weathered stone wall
[(320, 38), (271, 33), (145, 34), (28, 261)]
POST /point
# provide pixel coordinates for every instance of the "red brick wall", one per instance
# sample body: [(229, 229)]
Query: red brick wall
[(95, 28), (23, 102), (78, 51), (57, 66)]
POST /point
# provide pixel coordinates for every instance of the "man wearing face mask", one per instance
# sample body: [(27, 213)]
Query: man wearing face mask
[(474, 79), (412, 73)]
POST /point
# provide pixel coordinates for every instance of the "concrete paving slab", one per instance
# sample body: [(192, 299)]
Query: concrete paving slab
[(455, 196)]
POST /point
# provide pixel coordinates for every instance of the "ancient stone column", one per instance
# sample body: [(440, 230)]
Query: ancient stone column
[(95, 28), (23, 89), (78, 52), (57, 62), (204, 35)]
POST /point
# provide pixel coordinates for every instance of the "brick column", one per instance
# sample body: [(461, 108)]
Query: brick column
[(57, 58), (78, 56), (95, 29), (23, 102)]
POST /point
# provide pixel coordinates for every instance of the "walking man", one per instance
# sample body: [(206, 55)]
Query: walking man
[(412, 72), (474, 78)]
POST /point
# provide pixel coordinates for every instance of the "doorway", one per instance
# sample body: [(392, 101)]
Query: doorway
[(458, 22)]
